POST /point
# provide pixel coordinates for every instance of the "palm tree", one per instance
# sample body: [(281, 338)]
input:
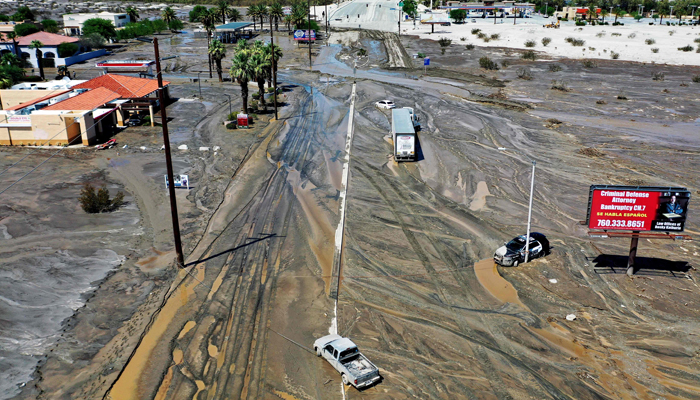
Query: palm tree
[(224, 9), (241, 45), (617, 14), (603, 13), (217, 51), (132, 13), (260, 68), (592, 10), (276, 12), (262, 13), (234, 15), (208, 19), (38, 45), (253, 13), (241, 71), (267, 50), (288, 22), (299, 16), (13, 36), (168, 15)]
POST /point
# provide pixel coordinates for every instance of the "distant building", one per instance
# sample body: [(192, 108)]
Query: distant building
[(63, 113), (10, 25), (73, 23), (574, 13), (51, 58), (490, 8)]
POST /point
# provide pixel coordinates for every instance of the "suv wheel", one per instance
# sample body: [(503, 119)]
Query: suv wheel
[(515, 263), (318, 351), (345, 379)]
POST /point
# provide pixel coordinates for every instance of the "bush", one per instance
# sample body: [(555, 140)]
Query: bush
[(601, 102), (4, 18), (462, 39), (305, 25), (658, 76), (554, 68), (93, 41), (23, 13), (670, 33), (469, 46), (632, 35), (159, 25), (504, 64), (575, 42), (560, 85), (617, 24), (600, 34), (50, 26), (475, 31), (254, 105), (255, 95), (481, 35), (546, 41), (614, 55), (98, 202), (421, 55), (487, 63), (444, 43), (621, 97), (231, 125), (650, 41), (232, 117), (697, 40), (529, 55), (589, 64), (616, 33), (25, 29), (524, 73), (67, 49), (196, 13), (530, 43), (495, 36), (686, 48), (269, 90), (175, 25), (580, 23), (696, 79), (655, 50), (101, 26)]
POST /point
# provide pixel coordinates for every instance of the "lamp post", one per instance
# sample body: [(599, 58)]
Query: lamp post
[(652, 14), (692, 16), (529, 210), (229, 104), (671, 14), (199, 82), (274, 66), (545, 10)]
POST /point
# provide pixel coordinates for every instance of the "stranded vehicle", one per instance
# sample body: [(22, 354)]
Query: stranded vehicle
[(385, 104), (403, 133), (513, 253), (355, 369)]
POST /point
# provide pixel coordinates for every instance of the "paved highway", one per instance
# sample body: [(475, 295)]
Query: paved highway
[(367, 14)]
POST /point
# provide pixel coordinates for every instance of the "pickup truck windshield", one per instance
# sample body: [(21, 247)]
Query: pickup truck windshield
[(349, 353)]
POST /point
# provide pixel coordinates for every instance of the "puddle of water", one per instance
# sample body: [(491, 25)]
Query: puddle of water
[(335, 170), (488, 276), (479, 197), (156, 262)]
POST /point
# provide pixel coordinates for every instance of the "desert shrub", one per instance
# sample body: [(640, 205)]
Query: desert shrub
[(601, 102), (481, 35), (530, 43), (495, 36), (616, 33), (469, 46), (505, 64), (575, 42), (696, 79), (475, 31), (658, 76), (487, 63), (655, 50), (97, 202), (255, 95), (686, 48), (232, 117), (670, 33), (600, 34), (589, 64), (529, 55), (697, 40), (462, 39), (560, 85), (444, 44), (632, 35), (698, 50), (683, 84), (580, 23), (650, 41), (524, 73), (621, 97), (546, 41), (614, 55), (554, 68), (421, 55), (254, 104), (231, 125), (591, 48)]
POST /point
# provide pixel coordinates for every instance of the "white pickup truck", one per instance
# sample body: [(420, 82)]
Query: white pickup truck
[(355, 369)]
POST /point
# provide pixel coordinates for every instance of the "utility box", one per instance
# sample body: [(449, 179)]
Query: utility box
[(242, 121)]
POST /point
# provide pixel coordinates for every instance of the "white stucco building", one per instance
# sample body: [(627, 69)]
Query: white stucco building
[(73, 23)]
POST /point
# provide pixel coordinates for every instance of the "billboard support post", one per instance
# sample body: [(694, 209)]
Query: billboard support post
[(633, 253)]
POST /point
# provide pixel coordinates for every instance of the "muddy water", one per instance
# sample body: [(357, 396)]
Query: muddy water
[(488, 276)]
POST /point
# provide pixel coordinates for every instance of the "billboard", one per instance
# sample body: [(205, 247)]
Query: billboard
[(304, 35), (635, 208)]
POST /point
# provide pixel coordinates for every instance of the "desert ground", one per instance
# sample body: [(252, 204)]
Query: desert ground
[(94, 307)]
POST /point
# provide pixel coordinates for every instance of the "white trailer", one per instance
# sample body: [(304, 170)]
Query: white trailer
[(403, 134)]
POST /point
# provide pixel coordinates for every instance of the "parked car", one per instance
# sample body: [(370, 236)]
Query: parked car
[(134, 121), (446, 24), (385, 104), (513, 253), (355, 369)]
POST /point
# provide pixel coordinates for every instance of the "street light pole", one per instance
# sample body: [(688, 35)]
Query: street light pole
[(199, 82), (308, 27), (274, 67), (168, 159), (529, 214), (230, 111)]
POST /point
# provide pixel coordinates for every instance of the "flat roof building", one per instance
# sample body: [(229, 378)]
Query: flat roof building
[(73, 23)]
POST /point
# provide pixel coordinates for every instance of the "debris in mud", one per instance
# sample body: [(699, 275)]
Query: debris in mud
[(635, 182), (590, 152), (498, 95), (570, 317), (560, 85), (621, 97), (601, 102), (553, 123)]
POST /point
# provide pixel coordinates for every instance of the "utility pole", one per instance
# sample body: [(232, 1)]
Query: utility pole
[(168, 160), (308, 26), (274, 71), (529, 214), (326, 13)]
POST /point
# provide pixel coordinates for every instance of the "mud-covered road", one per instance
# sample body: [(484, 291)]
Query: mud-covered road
[(417, 290)]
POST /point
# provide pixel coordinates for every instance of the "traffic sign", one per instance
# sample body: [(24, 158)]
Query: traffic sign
[(401, 4), (426, 61)]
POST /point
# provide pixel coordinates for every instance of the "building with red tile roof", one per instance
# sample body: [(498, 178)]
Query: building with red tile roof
[(47, 39), (86, 101), (128, 87)]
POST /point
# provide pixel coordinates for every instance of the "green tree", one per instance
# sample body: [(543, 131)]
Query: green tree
[(22, 14), (217, 51), (159, 25), (252, 12), (101, 26), (260, 68), (277, 13), (603, 13), (592, 12), (458, 15), (410, 7), (133, 13), (224, 9), (4, 18), (96, 202), (176, 25), (208, 19), (241, 72), (168, 15), (50, 26), (66, 49), (196, 13), (11, 70), (234, 15), (37, 45), (13, 36), (93, 41), (25, 29), (268, 55)]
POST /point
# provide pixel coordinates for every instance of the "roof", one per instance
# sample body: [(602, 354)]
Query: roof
[(39, 100), (233, 26), (125, 86), (47, 39), (401, 121), (342, 344), (89, 101)]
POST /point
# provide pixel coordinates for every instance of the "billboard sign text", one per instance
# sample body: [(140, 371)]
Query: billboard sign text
[(633, 208), (304, 35)]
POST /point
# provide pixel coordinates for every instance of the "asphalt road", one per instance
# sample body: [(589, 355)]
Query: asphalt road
[(373, 14)]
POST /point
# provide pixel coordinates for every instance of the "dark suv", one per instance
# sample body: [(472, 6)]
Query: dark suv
[(513, 253)]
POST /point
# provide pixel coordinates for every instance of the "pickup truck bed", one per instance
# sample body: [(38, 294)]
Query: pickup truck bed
[(359, 366)]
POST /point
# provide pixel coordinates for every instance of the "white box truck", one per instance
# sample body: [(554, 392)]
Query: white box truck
[(403, 134)]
